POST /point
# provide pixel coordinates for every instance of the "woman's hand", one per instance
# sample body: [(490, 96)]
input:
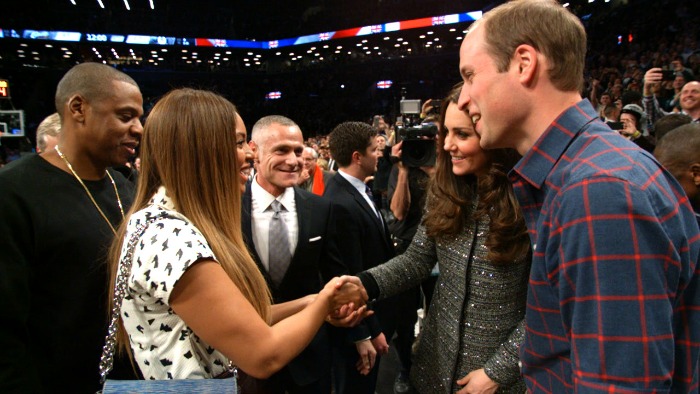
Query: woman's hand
[(344, 290), (347, 317), (477, 382)]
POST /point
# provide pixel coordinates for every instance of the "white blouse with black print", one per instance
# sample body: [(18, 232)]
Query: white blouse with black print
[(164, 347)]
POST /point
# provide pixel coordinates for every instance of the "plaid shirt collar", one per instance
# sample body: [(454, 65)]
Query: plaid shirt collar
[(538, 162)]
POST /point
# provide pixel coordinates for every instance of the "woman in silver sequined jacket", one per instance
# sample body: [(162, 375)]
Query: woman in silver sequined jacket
[(474, 230)]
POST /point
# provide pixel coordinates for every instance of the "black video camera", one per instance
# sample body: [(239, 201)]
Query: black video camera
[(419, 149)]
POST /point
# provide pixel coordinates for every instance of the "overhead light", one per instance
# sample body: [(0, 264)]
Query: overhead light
[(100, 3), (151, 4), (126, 4)]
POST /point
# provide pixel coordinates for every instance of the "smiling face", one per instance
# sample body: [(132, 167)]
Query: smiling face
[(488, 95), (112, 126), (690, 97), (462, 144), (309, 160), (243, 152), (279, 158)]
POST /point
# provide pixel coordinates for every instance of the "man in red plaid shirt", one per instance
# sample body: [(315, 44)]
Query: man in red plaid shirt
[(614, 296)]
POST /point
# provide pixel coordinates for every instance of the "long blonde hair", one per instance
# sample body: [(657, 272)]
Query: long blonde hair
[(189, 146)]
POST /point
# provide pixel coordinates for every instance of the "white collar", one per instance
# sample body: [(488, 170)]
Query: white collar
[(359, 184), (263, 198)]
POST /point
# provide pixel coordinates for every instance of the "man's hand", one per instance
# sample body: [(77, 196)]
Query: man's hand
[(380, 344), (303, 176), (652, 78), (367, 356), (477, 382), (396, 152)]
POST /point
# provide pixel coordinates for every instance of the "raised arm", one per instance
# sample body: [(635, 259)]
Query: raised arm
[(209, 303)]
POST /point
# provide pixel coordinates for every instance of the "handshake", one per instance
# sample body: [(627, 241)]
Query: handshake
[(347, 301)]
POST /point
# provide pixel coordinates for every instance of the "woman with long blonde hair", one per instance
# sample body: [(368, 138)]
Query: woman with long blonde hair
[(195, 299)]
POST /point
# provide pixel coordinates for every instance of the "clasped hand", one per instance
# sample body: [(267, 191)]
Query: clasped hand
[(348, 301)]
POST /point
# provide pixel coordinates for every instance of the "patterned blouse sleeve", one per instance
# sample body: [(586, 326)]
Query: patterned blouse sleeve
[(167, 248)]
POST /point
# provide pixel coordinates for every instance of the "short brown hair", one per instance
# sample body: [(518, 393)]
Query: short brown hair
[(349, 137), (546, 26)]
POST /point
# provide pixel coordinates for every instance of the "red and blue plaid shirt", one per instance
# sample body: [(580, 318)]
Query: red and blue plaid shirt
[(614, 295)]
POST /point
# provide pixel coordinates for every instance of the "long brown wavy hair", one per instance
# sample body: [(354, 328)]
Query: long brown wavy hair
[(451, 198), (189, 146)]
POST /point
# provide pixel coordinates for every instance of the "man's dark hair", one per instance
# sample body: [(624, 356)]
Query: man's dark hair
[(90, 80), (668, 123), (349, 137), (631, 97)]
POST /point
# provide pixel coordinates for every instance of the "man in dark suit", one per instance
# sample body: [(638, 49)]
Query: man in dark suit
[(366, 244), (313, 258)]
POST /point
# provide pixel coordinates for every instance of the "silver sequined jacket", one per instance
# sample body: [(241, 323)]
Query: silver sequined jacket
[(476, 315)]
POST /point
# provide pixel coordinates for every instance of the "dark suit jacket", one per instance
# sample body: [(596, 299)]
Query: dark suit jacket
[(366, 244), (316, 259)]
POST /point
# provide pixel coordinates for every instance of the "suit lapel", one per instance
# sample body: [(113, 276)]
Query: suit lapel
[(360, 200), (303, 214)]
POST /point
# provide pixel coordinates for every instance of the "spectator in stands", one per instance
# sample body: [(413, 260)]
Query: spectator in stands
[(668, 123), (631, 119), (47, 133), (471, 217), (59, 212), (679, 152), (211, 304), (380, 183), (578, 181), (313, 178), (604, 100), (611, 113), (689, 97)]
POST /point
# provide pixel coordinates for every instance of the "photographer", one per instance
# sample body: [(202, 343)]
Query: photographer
[(631, 119)]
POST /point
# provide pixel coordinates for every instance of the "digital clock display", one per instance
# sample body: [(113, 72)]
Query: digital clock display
[(96, 37)]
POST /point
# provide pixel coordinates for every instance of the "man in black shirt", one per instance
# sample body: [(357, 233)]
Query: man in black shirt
[(59, 214)]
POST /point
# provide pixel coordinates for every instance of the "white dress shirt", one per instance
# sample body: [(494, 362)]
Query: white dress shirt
[(261, 217)]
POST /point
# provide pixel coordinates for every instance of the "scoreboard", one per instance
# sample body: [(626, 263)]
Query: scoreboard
[(4, 89)]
